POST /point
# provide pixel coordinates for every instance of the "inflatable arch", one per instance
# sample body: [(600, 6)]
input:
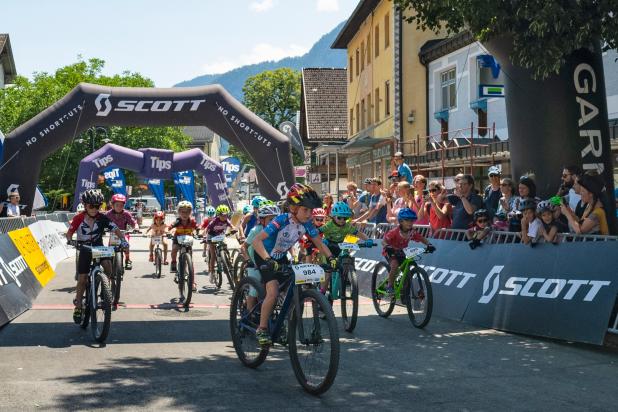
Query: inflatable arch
[(89, 105), (151, 163)]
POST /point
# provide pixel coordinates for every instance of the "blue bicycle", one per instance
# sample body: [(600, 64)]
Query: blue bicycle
[(302, 319)]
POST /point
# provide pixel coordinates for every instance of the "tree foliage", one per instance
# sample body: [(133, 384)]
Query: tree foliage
[(27, 98), (544, 32)]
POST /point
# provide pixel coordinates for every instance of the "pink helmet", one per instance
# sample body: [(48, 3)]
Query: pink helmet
[(159, 215), (319, 212), (119, 198)]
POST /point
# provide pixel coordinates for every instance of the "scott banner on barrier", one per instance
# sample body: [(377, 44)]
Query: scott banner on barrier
[(551, 291)]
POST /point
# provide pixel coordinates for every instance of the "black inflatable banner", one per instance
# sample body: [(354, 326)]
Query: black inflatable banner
[(89, 105), (551, 291)]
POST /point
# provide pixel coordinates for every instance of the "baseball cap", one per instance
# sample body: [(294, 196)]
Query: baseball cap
[(368, 181)]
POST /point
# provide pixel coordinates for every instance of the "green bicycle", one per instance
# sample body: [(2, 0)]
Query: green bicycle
[(412, 288)]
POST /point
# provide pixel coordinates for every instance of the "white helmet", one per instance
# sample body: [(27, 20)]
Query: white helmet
[(184, 205), (80, 208), (268, 210)]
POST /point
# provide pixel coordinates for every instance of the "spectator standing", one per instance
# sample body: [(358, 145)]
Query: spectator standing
[(420, 205), (403, 169), (507, 202), (440, 211), (328, 203), (12, 208), (527, 191), (351, 198), (530, 224), (403, 200), (492, 192), (364, 198), (465, 202), (569, 174), (594, 219), (377, 204)]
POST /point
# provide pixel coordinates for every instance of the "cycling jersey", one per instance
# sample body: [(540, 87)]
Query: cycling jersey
[(336, 234), (94, 234), (122, 220), (250, 223), (250, 238), (205, 223), (184, 229), (283, 232), (395, 240), (217, 226)]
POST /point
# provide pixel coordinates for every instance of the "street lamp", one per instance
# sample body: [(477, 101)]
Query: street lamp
[(93, 132)]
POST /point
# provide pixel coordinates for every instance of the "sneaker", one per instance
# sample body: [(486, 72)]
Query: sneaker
[(173, 267), (151, 258), (263, 337), (389, 292), (77, 315), (213, 279), (128, 265), (194, 289)]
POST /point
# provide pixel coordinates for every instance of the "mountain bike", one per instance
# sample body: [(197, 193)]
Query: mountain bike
[(223, 260), (185, 273), (313, 342), (117, 274), (97, 300), (412, 288), (158, 255), (343, 283)]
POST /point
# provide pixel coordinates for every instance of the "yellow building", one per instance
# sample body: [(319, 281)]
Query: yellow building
[(382, 57)]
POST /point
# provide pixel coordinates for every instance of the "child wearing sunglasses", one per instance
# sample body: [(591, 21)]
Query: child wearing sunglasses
[(480, 229), (318, 217)]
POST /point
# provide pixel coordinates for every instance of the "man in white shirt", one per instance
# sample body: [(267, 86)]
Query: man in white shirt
[(12, 208), (569, 173)]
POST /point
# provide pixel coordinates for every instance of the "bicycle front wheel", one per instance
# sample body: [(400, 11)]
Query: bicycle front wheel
[(419, 297), (101, 308), (382, 303), (186, 279), (226, 268), (349, 299), (239, 267), (158, 260), (314, 353), (117, 278)]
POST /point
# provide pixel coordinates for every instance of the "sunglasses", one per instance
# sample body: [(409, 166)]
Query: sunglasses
[(504, 184), (319, 219), (566, 175), (482, 221), (339, 218), (93, 207), (433, 190)]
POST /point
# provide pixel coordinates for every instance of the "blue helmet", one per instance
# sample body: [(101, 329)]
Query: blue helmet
[(247, 209), (341, 209), (406, 214), (257, 201), (210, 211)]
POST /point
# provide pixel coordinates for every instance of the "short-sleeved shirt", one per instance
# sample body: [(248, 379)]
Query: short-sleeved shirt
[(461, 218), (12, 210), (378, 201), (184, 228), (251, 237), (492, 199), (600, 222), (122, 220), (283, 232), (336, 234), (395, 240), (405, 171), (217, 226), (253, 220), (92, 235), (205, 223), (363, 200)]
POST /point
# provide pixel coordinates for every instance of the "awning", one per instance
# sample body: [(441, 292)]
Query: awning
[(441, 115), (479, 104)]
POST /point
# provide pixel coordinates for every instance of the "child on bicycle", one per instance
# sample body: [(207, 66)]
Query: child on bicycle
[(184, 225), (397, 239), (210, 214), (480, 230), (124, 220), (90, 227), (307, 248), (278, 237), (158, 228), (250, 218), (216, 227)]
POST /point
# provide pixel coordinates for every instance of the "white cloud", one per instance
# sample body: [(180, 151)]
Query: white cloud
[(260, 53), (261, 6), (328, 5)]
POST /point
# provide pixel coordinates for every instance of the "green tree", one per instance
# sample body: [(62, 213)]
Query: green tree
[(27, 98), (544, 32)]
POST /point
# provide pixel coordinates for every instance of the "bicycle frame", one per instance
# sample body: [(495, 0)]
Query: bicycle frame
[(404, 269)]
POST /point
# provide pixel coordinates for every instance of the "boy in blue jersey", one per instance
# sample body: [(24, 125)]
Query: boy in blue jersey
[(272, 244)]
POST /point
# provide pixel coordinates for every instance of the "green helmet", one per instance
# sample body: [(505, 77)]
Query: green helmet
[(222, 210)]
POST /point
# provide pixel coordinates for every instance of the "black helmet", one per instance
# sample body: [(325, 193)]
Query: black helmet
[(481, 213), (92, 197), (527, 204)]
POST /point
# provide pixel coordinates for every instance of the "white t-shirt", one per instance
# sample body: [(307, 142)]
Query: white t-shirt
[(534, 227), (12, 210), (574, 199)]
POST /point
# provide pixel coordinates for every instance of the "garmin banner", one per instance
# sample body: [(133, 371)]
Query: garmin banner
[(90, 105), (156, 187), (114, 178), (185, 185), (551, 291)]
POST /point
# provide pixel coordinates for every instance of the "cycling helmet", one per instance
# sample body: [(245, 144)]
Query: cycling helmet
[(341, 209), (501, 216), (544, 206), (303, 195), (266, 210), (247, 209), (80, 208), (256, 201), (210, 211), (527, 204), (406, 214), (481, 213), (319, 212), (92, 197), (159, 215), (119, 198), (222, 210), (184, 205)]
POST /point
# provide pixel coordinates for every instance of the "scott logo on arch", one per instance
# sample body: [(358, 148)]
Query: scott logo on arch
[(104, 106)]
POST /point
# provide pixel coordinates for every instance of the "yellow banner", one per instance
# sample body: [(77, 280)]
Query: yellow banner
[(34, 257)]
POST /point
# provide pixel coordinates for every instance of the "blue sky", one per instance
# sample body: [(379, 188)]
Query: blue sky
[(167, 41)]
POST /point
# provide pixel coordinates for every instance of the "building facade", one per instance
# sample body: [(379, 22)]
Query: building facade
[(7, 64)]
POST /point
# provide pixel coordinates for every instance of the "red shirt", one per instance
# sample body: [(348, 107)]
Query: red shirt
[(205, 223), (184, 229), (395, 240), (435, 222)]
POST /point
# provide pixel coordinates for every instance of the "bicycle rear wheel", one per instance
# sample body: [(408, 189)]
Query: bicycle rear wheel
[(185, 279), (315, 359), (117, 277), (418, 297), (101, 308), (349, 299), (382, 303), (243, 323), (239, 268), (158, 259)]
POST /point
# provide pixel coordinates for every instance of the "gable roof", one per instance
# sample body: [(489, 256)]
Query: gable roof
[(360, 13), (6, 58), (324, 105)]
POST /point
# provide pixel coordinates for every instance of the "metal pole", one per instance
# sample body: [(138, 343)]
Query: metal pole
[(337, 172), (472, 149), (328, 171)]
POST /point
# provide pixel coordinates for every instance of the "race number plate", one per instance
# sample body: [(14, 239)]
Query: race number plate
[(185, 240), (412, 252), (348, 246), (156, 240), (218, 238), (308, 273), (102, 252)]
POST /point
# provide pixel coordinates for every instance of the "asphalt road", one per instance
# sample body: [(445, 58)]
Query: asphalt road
[(163, 358)]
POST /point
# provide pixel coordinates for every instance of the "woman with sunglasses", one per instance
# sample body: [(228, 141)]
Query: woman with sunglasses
[(420, 205), (404, 199), (441, 211), (507, 201)]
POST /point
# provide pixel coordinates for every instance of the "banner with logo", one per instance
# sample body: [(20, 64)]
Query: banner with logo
[(551, 291), (29, 249), (50, 241), (114, 178), (156, 187), (184, 183), (231, 168)]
